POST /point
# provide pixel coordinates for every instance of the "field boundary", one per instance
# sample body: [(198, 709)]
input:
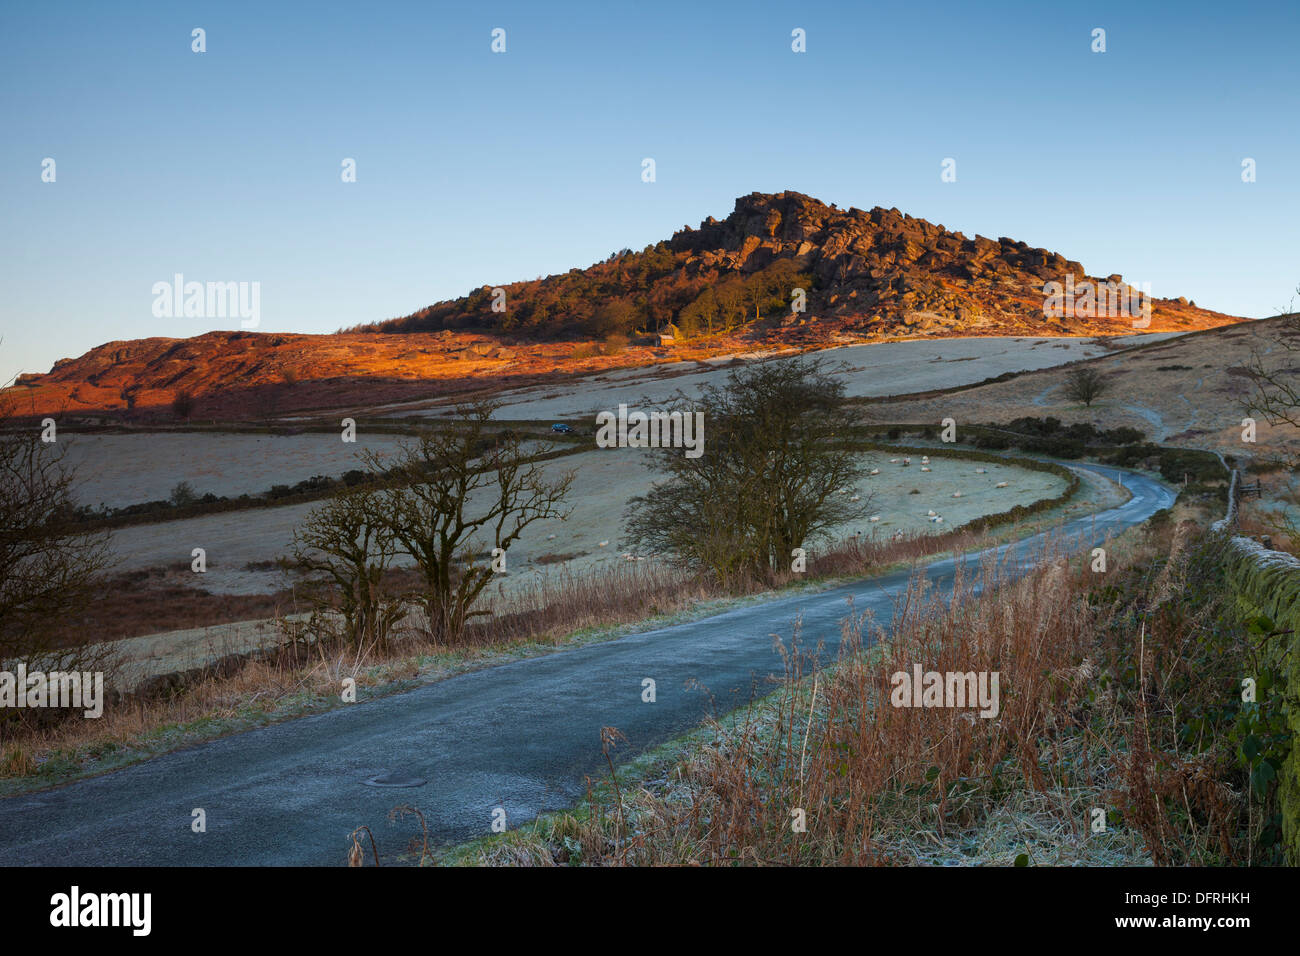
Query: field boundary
[(1267, 585)]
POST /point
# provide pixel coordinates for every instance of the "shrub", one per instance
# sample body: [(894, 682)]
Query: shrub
[(183, 404), (1085, 385), (183, 495)]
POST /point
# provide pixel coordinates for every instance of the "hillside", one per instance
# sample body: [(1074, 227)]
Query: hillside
[(726, 286), (249, 375), (1189, 391)]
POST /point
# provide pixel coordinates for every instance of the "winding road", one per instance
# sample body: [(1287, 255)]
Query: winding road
[(521, 736)]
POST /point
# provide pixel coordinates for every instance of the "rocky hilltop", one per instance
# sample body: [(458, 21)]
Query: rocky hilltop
[(726, 285), (876, 271), (881, 265)]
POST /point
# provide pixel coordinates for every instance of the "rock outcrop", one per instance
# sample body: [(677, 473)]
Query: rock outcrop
[(870, 270)]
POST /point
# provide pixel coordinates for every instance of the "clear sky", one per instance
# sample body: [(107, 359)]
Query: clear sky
[(475, 167)]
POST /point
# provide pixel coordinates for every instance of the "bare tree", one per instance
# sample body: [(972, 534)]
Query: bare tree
[(1275, 378), (457, 494), (773, 475), (50, 571), (1085, 385), (345, 547)]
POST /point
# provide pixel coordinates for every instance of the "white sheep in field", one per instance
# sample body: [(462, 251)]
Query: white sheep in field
[(931, 513), (893, 461), (924, 468), (602, 544), (925, 459), (550, 537), (856, 498), (875, 471), (1000, 484), (875, 517), (981, 471), (938, 519), (956, 494)]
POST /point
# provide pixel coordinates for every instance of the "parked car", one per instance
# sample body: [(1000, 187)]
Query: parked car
[(562, 428)]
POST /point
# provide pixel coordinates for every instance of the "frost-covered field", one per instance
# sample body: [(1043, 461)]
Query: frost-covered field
[(117, 470), (179, 650), (605, 481), (126, 469), (889, 368)]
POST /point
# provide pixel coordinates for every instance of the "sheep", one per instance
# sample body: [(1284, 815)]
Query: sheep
[(550, 537), (875, 471), (856, 498), (1000, 484), (893, 461), (602, 544), (956, 494), (875, 517), (925, 459), (931, 513), (981, 471), (924, 468)]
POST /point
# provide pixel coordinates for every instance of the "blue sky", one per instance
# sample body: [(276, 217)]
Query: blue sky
[(475, 167)]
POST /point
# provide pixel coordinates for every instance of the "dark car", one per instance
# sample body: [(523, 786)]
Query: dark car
[(562, 429)]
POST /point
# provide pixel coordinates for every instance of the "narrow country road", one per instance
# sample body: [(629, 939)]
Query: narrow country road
[(522, 736)]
